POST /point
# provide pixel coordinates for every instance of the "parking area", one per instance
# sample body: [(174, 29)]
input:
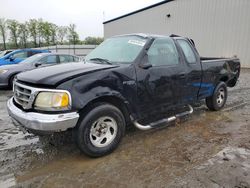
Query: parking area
[(207, 149)]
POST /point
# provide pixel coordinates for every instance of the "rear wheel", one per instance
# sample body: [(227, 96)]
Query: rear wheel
[(100, 131), (219, 97)]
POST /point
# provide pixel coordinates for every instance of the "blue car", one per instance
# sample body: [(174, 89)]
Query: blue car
[(17, 56)]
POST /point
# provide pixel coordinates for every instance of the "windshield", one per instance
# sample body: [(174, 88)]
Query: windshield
[(32, 59), (122, 49)]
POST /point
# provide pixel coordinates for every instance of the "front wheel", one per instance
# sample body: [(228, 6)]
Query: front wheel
[(100, 131), (219, 97)]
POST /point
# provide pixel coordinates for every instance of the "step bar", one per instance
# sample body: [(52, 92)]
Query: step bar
[(165, 120)]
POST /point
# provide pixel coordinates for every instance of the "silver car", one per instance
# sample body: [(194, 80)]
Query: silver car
[(8, 72)]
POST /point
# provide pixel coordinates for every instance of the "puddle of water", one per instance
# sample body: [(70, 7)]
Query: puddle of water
[(7, 181), (227, 154), (12, 138)]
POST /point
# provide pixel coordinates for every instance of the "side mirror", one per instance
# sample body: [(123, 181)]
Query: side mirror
[(38, 64), (145, 63), (11, 58)]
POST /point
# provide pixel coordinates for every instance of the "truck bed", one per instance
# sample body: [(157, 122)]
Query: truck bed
[(224, 69)]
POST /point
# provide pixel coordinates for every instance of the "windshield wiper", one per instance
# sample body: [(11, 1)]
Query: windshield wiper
[(101, 60)]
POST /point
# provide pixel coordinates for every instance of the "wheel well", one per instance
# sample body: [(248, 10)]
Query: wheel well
[(117, 102), (10, 78), (229, 83), (224, 79)]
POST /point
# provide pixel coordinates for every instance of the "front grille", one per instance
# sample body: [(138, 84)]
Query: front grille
[(23, 95)]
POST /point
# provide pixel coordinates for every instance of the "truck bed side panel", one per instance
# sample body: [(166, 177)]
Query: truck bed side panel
[(214, 71)]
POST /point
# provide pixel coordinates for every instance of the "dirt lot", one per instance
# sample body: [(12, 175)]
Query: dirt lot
[(208, 149)]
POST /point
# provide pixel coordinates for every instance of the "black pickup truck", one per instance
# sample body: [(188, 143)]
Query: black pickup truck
[(139, 79)]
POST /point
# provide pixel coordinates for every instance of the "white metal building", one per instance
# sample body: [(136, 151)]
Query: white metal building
[(220, 28)]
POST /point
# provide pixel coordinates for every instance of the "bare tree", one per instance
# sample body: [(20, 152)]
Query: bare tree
[(39, 31), (13, 28), (73, 35), (36, 31), (53, 31), (62, 33), (23, 33), (3, 31), (46, 32), (32, 26)]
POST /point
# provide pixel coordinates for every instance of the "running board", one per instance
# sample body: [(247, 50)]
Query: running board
[(165, 120)]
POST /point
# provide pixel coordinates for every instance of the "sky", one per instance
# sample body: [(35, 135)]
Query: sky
[(88, 15)]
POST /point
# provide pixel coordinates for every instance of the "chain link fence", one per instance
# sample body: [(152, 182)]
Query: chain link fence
[(79, 50)]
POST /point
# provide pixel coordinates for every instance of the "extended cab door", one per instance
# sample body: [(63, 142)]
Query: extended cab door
[(192, 63), (160, 87)]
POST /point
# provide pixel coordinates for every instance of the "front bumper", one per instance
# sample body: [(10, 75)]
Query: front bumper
[(42, 122), (3, 85), (4, 81)]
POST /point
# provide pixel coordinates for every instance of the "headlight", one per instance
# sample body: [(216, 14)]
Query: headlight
[(52, 101), (2, 71)]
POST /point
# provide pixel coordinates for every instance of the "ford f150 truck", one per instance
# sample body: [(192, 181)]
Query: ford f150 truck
[(146, 80)]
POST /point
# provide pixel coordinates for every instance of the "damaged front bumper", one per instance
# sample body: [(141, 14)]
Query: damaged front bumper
[(42, 122)]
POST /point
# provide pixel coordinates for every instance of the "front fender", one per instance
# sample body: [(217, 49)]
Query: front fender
[(80, 100), (118, 83)]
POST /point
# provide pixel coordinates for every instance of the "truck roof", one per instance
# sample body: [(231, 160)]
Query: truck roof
[(144, 35), (147, 35)]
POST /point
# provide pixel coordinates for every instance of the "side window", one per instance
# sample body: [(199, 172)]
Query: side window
[(66, 58), (63, 59), (188, 51), (21, 55), (49, 60), (30, 53), (163, 52), (71, 59), (33, 53), (76, 59)]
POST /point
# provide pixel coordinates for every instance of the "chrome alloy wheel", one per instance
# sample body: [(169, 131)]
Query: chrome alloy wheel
[(103, 131), (220, 96)]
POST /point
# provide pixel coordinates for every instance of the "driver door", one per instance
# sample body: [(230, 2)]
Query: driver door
[(160, 87)]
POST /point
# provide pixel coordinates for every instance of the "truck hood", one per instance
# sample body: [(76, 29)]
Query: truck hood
[(57, 74)]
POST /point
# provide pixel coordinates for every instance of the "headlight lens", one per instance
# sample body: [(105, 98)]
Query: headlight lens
[(2, 71), (52, 101)]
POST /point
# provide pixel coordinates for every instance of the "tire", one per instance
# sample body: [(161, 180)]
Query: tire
[(218, 99), (100, 131)]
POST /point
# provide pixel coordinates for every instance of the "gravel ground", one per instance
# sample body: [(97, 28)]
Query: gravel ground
[(207, 149)]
